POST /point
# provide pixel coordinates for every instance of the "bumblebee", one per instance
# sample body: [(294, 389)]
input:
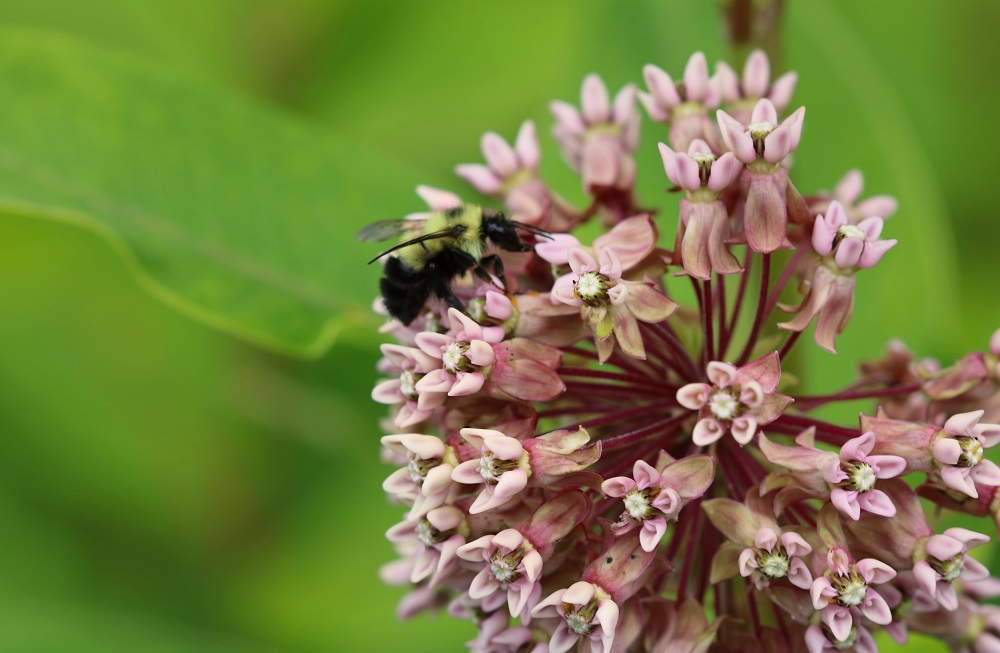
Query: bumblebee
[(446, 244)]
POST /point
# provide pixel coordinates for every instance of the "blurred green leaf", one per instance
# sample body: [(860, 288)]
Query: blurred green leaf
[(231, 213)]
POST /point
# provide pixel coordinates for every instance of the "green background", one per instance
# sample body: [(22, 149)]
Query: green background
[(165, 486)]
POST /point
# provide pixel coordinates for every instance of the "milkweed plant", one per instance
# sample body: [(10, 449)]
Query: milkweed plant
[(586, 464)]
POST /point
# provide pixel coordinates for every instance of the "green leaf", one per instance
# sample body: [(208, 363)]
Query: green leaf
[(230, 212)]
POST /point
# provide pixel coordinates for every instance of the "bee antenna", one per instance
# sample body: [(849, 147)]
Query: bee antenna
[(532, 229)]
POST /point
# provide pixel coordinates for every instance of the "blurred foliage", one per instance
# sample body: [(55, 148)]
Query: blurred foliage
[(165, 487)]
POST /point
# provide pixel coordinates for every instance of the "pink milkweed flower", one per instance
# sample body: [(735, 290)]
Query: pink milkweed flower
[(425, 482), (512, 572), (763, 145), (847, 192), (512, 174), (774, 556), (599, 140), (843, 248), (587, 614), (611, 306), (740, 97), (656, 496), (703, 228), (685, 106), (946, 562), (846, 588), (506, 464), (462, 356), (410, 364), (854, 474), (820, 639), (737, 401), (959, 450), (435, 539)]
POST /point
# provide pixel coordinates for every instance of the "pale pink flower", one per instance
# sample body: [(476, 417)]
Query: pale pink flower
[(847, 193), (506, 465), (426, 480), (763, 145), (774, 556), (703, 228), (820, 639), (435, 539), (611, 306), (656, 496), (599, 140), (959, 450), (462, 356), (740, 96), (853, 476), (685, 106), (846, 588), (512, 572), (946, 562), (843, 249), (737, 401), (410, 363), (587, 614)]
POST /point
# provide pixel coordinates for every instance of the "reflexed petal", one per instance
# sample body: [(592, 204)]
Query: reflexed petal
[(782, 90), (857, 448), (846, 501), (661, 86), (875, 571), (777, 144), (944, 547), (722, 375), (480, 176), (756, 75), (696, 77), (986, 472), (694, 395), (568, 116), (652, 532), (962, 423), (766, 539), (744, 428), (875, 608), (707, 431), (887, 466), (839, 620), (594, 100), (618, 486), (798, 574), (526, 145), (877, 502), (957, 478)]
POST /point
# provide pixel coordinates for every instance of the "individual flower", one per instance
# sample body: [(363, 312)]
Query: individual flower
[(775, 556), (959, 450), (512, 572), (846, 587), (741, 96), (843, 249), (847, 193), (946, 562), (599, 140), (763, 145), (611, 306), (737, 401), (512, 174), (854, 474), (462, 356), (686, 105), (820, 639), (703, 228), (410, 364), (506, 464), (426, 480), (654, 496), (587, 613), (433, 541)]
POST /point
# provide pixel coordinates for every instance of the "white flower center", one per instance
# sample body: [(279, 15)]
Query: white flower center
[(590, 287), (487, 469), (760, 129), (426, 533), (408, 384), (578, 623), (850, 231), (863, 478), (773, 565), (972, 452), (501, 569), (454, 356), (637, 505), (853, 592), (723, 405), (952, 568)]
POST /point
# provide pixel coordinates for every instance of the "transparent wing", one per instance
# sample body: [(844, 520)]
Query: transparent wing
[(451, 232), (386, 229)]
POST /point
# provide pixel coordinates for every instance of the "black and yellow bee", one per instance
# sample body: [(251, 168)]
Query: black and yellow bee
[(445, 245)]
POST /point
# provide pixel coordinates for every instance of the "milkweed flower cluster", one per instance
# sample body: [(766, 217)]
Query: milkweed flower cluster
[(584, 464)]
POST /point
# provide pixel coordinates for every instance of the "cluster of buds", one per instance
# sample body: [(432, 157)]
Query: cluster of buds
[(583, 462)]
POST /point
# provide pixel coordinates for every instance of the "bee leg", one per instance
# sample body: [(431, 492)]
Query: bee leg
[(443, 291), (496, 263)]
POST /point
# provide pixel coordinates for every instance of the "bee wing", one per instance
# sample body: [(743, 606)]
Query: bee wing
[(450, 232), (386, 229)]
